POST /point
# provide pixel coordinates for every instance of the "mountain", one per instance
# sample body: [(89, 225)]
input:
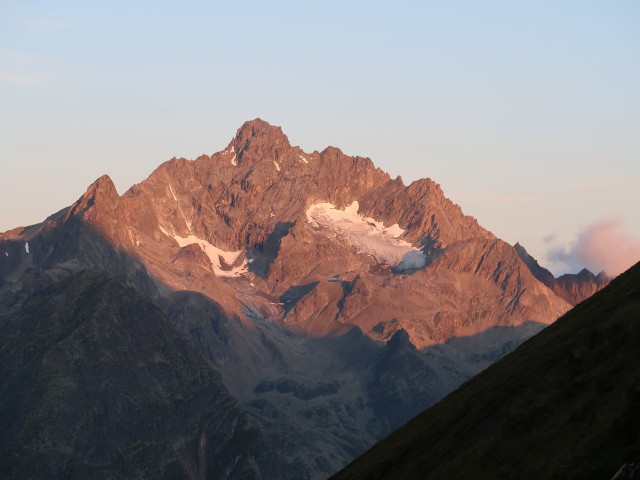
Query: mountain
[(565, 404), (572, 287), (318, 304), (96, 383)]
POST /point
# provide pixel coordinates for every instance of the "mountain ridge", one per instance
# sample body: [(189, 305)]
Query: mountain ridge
[(325, 297), (574, 288), (565, 404)]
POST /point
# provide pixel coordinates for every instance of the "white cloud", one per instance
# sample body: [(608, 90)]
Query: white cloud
[(603, 245)]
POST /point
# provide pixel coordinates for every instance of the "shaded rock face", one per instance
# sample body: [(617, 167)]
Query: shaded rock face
[(302, 337), (578, 287), (97, 384), (571, 394)]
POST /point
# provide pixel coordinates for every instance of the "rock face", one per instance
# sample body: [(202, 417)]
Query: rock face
[(571, 394), (325, 302), (90, 366), (250, 210)]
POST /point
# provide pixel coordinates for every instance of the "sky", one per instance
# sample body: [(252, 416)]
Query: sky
[(526, 112)]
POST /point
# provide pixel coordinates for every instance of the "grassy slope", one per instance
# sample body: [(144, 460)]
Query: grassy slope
[(566, 404)]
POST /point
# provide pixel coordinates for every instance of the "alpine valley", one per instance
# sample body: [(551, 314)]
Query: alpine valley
[(260, 313)]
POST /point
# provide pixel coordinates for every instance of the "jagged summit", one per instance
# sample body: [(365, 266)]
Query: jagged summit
[(261, 132), (261, 256), (102, 192), (103, 185), (250, 209)]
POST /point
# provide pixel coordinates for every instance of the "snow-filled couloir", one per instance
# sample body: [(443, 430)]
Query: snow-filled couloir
[(216, 255)]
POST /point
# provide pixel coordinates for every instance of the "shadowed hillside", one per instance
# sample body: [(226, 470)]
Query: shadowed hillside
[(566, 404)]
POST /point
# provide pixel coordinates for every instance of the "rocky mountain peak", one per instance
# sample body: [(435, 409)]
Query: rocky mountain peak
[(332, 152), (259, 133), (541, 273), (258, 142), (105, 186), (102, 191), (585, 274)]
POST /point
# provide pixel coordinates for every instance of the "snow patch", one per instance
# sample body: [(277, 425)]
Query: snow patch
[(216, 255), (394, 230), (368, 235), (412, 260), (6, 254), (233, 161), (277, 166), (187, 222), (303, 159), (172, 193), (232, 149), (26, 247)]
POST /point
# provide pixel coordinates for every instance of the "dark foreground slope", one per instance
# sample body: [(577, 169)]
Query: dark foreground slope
[(566, 404), (95, 383)]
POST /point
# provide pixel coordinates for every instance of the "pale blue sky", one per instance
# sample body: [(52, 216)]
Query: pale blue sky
[(527, 113)]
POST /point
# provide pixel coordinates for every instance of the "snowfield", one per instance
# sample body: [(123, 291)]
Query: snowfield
[(368, 235), (216, 255)]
